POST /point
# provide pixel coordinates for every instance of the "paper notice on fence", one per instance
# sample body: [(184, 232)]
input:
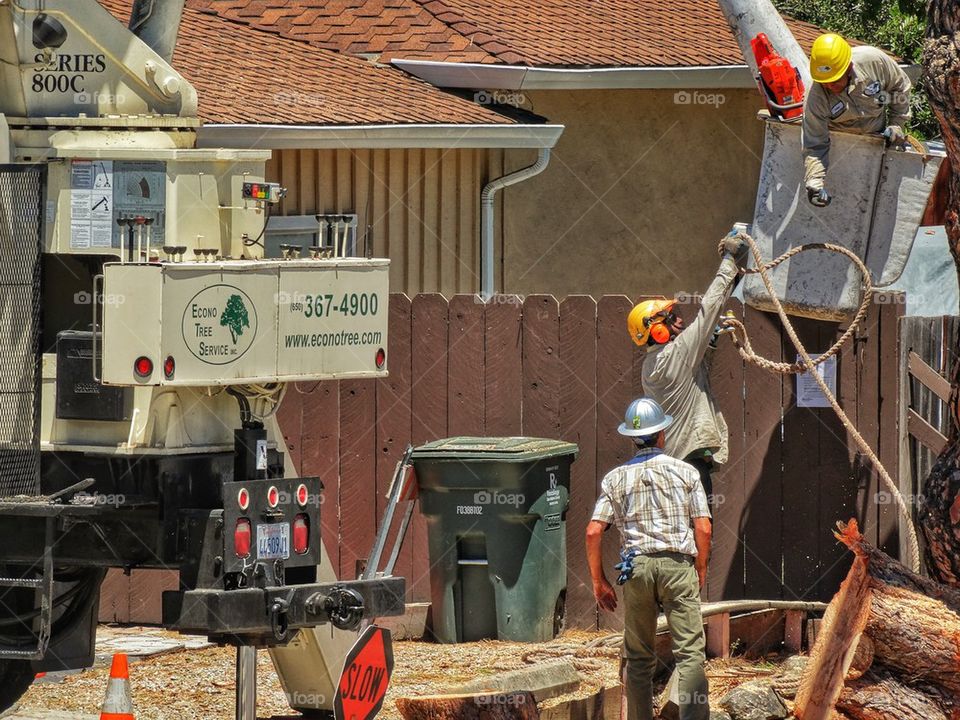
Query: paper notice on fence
[(809, 393)]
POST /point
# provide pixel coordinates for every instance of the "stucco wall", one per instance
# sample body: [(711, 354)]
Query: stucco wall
[(638, 192)]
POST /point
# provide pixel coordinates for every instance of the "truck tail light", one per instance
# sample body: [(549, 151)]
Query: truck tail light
[(303, 495), (381, 359), (301, 534), (143, 367), (243, 498), (169, 367), (273, 496), (242, 538)]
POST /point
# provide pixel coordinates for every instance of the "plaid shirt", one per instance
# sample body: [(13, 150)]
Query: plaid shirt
[(652, 500)]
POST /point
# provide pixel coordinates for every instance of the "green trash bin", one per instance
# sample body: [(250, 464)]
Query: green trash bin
[(496, 525)]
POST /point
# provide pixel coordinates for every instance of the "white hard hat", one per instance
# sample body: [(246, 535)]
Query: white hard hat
[(644, 417)]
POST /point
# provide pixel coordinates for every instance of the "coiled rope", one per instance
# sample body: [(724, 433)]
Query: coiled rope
[(742, 342)]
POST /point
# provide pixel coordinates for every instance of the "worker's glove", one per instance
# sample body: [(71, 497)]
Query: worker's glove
[(818, 197), (896, 137), (737, 247)]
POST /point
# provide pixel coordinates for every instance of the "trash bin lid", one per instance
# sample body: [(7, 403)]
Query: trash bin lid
[(511, 449)]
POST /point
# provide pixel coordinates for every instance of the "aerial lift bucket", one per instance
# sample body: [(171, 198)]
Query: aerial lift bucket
[(879, 196)]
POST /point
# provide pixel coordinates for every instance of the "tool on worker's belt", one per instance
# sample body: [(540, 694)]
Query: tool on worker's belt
[(780, 82), (625, 566), (819, 198)]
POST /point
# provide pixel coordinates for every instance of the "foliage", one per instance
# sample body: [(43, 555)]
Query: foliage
[(895, 25)]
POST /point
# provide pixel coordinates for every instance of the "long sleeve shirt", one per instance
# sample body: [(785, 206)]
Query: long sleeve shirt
[(676, 375), (878, 95)]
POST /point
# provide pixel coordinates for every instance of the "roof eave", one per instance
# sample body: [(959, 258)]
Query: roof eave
[(375, 137), (476, 76), (520, 77)]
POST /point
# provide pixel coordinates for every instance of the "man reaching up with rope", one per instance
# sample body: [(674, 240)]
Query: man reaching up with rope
[(676, 372)]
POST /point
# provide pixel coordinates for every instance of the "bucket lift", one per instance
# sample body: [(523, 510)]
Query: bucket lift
[(879, 194)]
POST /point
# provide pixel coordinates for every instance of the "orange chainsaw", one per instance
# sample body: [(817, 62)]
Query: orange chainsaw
[(779, 81)]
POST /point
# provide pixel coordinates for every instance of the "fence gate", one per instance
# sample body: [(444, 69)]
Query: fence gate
[(21, 224), (927, 353)]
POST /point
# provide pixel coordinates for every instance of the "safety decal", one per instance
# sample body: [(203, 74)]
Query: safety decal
[(837, 109)]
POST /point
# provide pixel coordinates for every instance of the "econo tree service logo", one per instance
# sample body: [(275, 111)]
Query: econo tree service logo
[(219, 324)]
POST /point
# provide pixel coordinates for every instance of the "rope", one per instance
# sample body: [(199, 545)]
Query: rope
[(742, 344)]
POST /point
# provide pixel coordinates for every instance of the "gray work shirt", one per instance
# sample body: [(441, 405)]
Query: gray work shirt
[(677, 375), (878, 95)]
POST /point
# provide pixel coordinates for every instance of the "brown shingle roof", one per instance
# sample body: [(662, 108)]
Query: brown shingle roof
[(294, 83), (612, 33)]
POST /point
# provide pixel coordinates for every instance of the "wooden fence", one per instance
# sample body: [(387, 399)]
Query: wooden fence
[(927, 354), (567, 369)]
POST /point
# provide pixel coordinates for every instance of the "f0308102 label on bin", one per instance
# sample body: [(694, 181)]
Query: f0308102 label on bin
[(552, 522)]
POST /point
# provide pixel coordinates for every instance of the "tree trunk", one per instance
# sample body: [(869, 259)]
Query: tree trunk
[(913, 629), (939, 505), (880, 696), (502, 706)]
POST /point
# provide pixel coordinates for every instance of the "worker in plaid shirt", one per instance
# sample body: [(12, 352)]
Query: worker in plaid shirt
[(660, 508)]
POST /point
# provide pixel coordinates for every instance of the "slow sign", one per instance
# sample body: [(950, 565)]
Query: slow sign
[(366, 674)]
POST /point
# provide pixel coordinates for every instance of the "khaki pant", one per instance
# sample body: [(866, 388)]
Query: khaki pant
[(669, 581)]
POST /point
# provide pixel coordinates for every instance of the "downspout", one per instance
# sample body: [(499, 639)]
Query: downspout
[(487, 216)]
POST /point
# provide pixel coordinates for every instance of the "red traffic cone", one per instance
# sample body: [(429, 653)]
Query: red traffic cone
[(118, 705)]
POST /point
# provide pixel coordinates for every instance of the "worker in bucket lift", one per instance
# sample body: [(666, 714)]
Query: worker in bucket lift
[(676, 372), (859, 89), (658, 505)]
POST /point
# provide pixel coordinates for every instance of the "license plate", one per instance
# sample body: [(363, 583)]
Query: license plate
[(273, 541)]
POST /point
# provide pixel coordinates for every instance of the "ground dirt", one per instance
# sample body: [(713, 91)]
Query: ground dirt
[(192, 684)]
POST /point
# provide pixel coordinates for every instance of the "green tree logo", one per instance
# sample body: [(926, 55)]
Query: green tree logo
[(235, 317)]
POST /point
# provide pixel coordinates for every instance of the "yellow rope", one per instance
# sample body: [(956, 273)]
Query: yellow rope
[(742, 343)]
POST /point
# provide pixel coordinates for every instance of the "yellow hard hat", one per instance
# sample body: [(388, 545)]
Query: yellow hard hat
[(829, 58), (645, 317)]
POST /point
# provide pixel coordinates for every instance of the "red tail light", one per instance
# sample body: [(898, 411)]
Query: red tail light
[(143, 367), (303, 495), (381, 358), (169, 367), (273, 496), (243, 498), (301, 534), (242, 538)]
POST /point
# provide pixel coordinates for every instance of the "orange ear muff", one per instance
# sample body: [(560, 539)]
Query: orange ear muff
[(660, 333)]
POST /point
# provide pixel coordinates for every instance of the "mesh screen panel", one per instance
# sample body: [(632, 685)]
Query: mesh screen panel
[(21, 199)]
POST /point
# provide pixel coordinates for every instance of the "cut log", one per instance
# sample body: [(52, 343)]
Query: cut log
[(913, 623), (502, 706), (881, 696), (835, 647)]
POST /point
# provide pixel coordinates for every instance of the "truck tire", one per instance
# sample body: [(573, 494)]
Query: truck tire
[(16, 677)]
